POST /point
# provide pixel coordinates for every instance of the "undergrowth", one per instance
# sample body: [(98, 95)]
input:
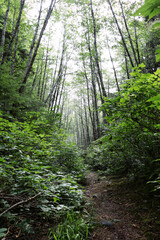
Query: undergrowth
[(39, 171)]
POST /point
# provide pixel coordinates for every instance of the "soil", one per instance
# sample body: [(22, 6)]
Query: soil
[(129, 214)]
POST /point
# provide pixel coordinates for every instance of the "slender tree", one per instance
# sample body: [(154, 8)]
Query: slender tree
[(22, 87), (16, 29), (4, 30), (114, 70), (121, 34)]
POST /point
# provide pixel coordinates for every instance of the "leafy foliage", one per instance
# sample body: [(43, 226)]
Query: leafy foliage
[(151, 8), (35, 157), (131, 143)]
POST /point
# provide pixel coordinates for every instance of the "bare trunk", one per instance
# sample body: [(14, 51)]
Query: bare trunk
[(35, 77), (121, 34), (96, 52), (4, 30), (126, 64), (40, 77), (86, 122), (15, 31), (137, 46), (114, 70), (60, 70), (95, 104), (22, 87), (34, 38), (44, 74), (129, 36), (15, 52)]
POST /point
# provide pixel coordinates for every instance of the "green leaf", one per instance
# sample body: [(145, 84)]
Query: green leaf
[(142, 65), (158, 57), (3, 232), (155, 12), (156, 25)]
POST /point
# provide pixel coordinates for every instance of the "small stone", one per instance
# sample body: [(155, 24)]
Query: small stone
[(106, 223), (95, 196), (116, 220)]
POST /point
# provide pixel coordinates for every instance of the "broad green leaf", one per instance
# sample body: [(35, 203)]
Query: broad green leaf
[(155, 12)]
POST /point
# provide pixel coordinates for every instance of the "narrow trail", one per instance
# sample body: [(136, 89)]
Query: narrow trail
[(107, 206)]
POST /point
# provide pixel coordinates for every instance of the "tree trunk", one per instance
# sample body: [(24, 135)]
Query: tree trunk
[(40, 77), (15, 31), (34, 38), (44, 74), (15, 52), (95, 104), (35, 77), (121, 34), (114, 70), (137, 46), (96, 51), (126, 64), (129, 36), (4, 31), (86, 121), (22, 87)]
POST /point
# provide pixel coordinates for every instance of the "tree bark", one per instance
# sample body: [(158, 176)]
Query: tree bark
[(129, 36), (121, 34), (35, 77), (96, 51), (34, 38), (22, 87), (44, 73), (15, 30), (4, 30), (114, 70), (15, 53), (95, 104), (137, 45)]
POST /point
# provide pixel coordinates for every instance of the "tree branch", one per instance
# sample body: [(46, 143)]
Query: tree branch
[(20, 203)]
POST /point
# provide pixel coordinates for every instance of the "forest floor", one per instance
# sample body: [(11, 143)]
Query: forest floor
[(128, 213)]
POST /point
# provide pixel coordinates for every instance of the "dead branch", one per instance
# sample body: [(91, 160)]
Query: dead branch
[(20, 203)]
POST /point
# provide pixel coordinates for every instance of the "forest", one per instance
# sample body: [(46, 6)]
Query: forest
[(79, 103)]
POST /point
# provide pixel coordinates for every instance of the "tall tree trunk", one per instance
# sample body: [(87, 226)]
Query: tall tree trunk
[(96, 51), (15, 53), (44, 73), (137, 46), (86, 121), (40, 77), (22, 87), (34, 38), (77, 130), (45, 87), (114, 70), (95, 104), (15, 31), (87, 85), (126, 64), (129, 36), (121, 34), (4, 31), (60, 70), (35, 77), (62, 87)]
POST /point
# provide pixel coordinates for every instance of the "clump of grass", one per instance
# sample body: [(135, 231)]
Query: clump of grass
[(74, 227)]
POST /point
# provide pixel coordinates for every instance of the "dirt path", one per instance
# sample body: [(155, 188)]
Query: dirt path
[(107, 206)]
